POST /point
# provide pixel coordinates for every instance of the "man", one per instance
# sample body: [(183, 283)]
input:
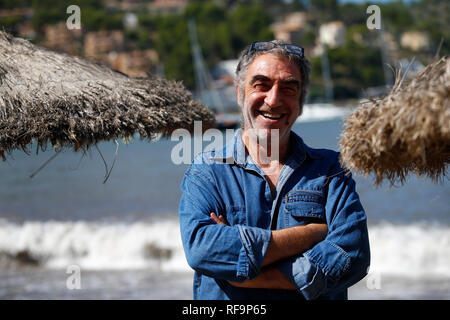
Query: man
[(258, 226)]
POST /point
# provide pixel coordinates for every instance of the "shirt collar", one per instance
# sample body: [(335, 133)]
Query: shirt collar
[(235, 152)]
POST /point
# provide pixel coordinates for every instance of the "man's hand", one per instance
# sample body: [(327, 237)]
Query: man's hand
[(219, 220)]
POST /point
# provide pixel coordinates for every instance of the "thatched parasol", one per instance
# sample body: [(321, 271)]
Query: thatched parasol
[(51, 97), (408, 131)]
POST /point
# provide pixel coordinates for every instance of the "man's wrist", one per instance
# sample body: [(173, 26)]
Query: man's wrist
[(269, 278)]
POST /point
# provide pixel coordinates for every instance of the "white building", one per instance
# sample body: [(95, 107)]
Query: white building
[(415, 40), (291, 27), (332, 34)]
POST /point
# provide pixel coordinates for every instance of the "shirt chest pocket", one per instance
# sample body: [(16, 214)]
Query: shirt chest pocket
[(303, 207)]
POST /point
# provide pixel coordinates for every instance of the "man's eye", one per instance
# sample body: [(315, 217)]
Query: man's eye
[(290, 90), (261, 86)]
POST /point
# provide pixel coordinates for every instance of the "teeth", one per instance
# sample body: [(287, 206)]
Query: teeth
[(272, 115)]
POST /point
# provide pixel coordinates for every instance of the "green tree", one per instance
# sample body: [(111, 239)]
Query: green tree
[(324, 10), (396, 16), (174, 49), (93, 15), (249, 23), (432, 17), (353, 13), (222, 34), (11, 4), (355, 67)]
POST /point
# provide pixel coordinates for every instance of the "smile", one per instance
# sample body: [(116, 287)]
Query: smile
[(272, 116)]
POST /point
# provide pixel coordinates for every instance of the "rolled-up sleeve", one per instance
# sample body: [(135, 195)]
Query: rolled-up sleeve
[(343, 258), (232, 253), (255, 242)]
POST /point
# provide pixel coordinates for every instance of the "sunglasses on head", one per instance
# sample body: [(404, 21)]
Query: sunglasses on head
[(267, 45)]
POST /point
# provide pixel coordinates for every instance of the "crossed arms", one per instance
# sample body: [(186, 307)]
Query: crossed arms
[(284, 243), (314, 259)]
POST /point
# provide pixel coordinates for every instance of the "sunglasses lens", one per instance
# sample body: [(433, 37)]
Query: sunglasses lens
[(294, 49), (264, 46)]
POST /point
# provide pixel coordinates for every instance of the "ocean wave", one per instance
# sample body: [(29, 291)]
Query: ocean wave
[(323, 111), (412, 250), (92, 245)]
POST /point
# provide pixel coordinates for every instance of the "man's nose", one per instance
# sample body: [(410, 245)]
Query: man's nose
[(273, 97)]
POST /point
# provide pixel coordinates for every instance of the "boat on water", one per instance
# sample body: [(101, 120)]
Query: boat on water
[(216, 95)]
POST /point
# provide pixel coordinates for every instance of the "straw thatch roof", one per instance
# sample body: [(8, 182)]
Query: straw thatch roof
[(408, 131), (51, 97)]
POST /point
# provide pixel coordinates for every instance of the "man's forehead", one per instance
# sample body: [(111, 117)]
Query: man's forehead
[(273, 67)]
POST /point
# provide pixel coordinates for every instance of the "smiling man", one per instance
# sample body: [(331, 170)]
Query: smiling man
[(268, 217)]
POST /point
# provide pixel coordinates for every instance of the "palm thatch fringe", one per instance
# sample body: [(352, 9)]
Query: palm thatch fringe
[(52, 97), (408, 131)]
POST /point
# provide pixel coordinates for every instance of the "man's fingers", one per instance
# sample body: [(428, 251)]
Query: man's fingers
[(223, 220), (214, 217), (219, 220)]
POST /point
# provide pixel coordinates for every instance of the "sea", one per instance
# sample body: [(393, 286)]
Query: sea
[(65, 234)]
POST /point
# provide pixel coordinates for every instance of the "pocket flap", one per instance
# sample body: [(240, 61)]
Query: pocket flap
[(305, 204), (306, 209)]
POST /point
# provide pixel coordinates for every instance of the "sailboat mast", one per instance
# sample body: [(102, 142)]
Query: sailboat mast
[(329, 94), (202, 77)]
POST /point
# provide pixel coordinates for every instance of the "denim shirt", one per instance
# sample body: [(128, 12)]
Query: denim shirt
[(312, 187)]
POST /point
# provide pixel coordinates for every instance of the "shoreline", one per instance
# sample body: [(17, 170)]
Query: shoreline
[(40, 284)]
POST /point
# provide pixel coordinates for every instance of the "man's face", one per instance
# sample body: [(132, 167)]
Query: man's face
[(271, 98)]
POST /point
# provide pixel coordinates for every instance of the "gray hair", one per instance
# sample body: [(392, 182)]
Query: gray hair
[(246, 58)]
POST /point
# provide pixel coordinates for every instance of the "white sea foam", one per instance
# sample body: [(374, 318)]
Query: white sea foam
[(322, 111), (414, 250), (96, 245)]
